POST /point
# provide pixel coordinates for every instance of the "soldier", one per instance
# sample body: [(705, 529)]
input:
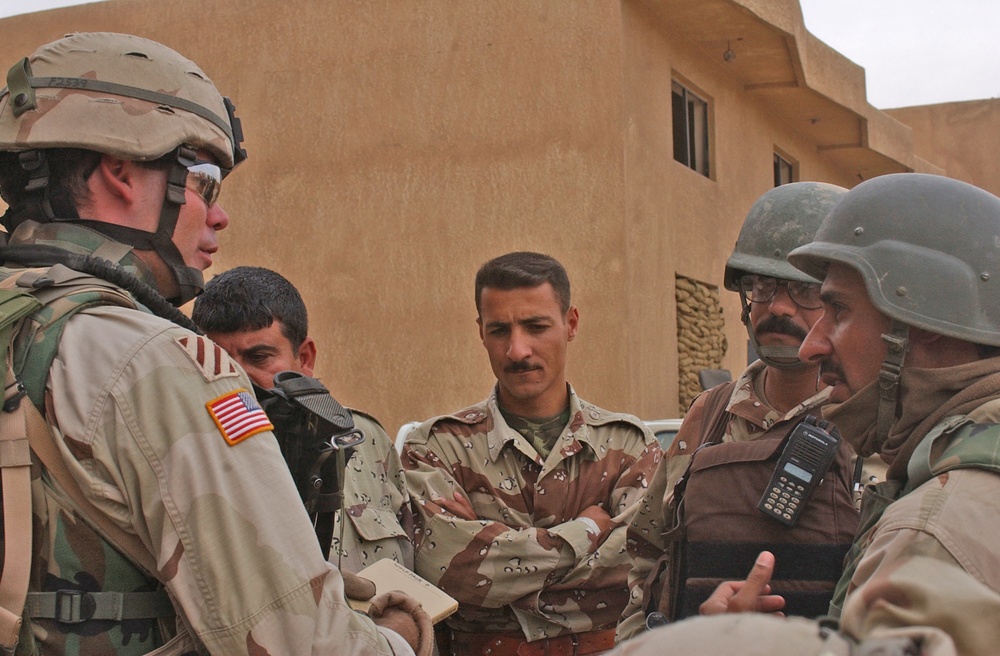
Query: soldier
[(259, 318), (747, 421), (523, 499), (164, 517), (908, 343)]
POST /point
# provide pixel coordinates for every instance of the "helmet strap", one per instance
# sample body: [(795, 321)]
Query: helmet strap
[(897, 340), (190, 281), (779, 357), (36, 203)]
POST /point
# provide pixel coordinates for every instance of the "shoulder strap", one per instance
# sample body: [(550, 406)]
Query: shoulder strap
[(716, 400), (15, 470)]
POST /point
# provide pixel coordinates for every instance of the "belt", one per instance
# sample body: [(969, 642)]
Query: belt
[(514, 644)]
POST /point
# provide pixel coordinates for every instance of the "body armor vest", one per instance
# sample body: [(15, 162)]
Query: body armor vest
[(716, 530)]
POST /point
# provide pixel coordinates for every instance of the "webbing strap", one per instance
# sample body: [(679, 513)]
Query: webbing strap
[(15, 470), (75, 606), (16, 464)]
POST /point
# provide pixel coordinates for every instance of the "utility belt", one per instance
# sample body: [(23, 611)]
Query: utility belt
[(513, 643)]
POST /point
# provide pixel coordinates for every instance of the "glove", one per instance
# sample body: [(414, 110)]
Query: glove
[(404, 615), (356, 587)]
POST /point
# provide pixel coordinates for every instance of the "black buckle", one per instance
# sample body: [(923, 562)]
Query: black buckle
[(12, 402), (74, 606)]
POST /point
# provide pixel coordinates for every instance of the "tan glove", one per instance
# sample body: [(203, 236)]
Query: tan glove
[(404, 615), (356, 587)]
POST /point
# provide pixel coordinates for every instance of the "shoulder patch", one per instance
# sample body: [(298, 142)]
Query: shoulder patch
[(211, 359), (238, 416)]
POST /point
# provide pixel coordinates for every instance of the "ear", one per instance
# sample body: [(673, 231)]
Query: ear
[(572, 321), (307, 356), (115, 177), (479, 322)]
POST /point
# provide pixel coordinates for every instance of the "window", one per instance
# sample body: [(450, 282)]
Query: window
[(690, 115), (784, 171)]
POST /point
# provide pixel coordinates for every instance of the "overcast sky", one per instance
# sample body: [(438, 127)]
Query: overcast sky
[(915, 52)]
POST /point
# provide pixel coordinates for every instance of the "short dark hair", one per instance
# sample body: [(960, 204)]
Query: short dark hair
[(523, 269), (69, 170), (251, 298)]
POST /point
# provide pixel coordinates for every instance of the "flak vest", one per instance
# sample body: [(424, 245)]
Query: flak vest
[(715, 531)]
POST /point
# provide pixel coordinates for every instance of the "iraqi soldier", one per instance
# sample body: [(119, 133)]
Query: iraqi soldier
[(163, 515), (259, 318), (701, 533), (523, 499), (909, 343)]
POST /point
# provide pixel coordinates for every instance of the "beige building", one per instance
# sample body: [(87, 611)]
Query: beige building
[(395, 145)]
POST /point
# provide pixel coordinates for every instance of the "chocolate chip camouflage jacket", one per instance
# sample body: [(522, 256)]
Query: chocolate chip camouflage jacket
[(498, 526), (376, 504)]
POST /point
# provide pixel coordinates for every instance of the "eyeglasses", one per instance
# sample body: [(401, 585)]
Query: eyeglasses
[(761, 289), (205, 179)]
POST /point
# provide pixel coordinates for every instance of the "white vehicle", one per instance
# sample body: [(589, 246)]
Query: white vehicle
[(664, 429), (403, 431)]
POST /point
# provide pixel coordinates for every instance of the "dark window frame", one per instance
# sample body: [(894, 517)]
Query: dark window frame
[(690, 128)]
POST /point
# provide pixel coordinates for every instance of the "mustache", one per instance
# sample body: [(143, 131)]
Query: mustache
[(828, 367), (520, 367), (780, 326)]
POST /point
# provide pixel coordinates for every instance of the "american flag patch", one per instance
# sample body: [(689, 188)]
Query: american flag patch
[(238, 416)]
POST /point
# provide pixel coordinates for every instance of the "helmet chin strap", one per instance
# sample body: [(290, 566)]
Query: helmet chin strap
[(780, 356), (897, 340), (190, 281)]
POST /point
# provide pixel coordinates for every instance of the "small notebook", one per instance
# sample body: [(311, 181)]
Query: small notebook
[(388, 575)]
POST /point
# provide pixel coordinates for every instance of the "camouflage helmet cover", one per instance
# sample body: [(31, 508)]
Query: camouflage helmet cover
[(117, 94), (781, 220), (927, 247)]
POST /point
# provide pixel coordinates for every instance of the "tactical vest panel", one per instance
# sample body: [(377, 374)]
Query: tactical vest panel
[(724, 531)]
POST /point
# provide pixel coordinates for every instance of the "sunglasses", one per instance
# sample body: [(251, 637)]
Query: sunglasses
[(761, 289), (205, 179)]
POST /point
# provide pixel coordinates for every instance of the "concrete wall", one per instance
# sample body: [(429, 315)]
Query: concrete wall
[(396, 145), (961, 137)]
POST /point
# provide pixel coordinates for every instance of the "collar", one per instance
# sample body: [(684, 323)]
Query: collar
[(747, 405), (82, 240), (574, 437)]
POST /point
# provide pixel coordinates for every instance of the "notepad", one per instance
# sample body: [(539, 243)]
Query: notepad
[(388, 575)]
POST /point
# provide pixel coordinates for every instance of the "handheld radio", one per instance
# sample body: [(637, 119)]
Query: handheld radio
[(804, 461)]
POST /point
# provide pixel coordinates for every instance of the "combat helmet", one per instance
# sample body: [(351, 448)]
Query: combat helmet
[(781, 220), (928, 250), (123, 96)]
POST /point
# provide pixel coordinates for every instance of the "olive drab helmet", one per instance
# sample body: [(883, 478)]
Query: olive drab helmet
[(781, 220), (928, 250), (124, 96)]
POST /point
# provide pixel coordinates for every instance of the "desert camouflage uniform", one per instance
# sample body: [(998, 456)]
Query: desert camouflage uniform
[(127, 403), (946, 503), (527, 563), (752, 419), (894, 614), (376, 503)]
